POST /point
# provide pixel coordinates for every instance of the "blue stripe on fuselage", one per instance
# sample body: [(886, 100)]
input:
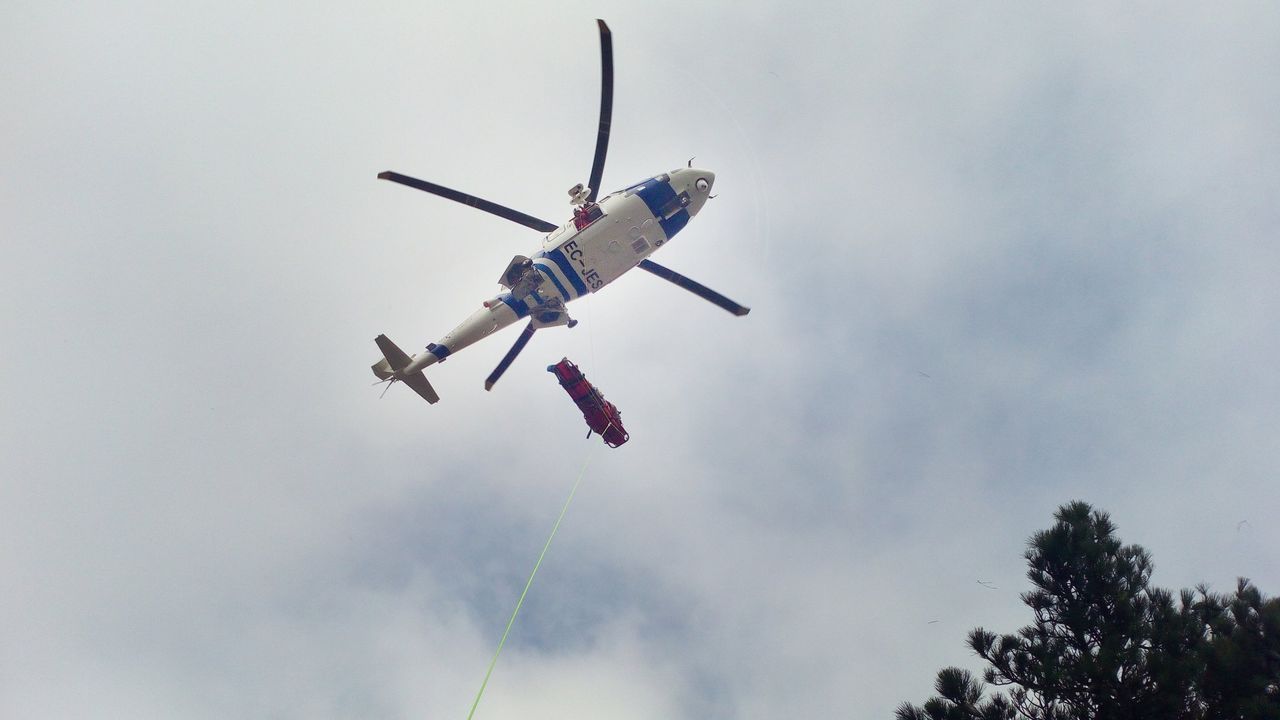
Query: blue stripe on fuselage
[(441, 352), (664, 177), (545, 268), (557, 257), (659, 197), (518, 306), (675, 223)]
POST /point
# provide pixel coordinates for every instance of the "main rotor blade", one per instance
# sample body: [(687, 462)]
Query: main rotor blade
[(606, 110), (501, 211), (696, 288), (510, 356)]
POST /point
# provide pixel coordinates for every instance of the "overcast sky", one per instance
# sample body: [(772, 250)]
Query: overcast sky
[(1000, 256)]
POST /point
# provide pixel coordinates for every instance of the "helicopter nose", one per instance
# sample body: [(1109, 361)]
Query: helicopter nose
[(699, 187)]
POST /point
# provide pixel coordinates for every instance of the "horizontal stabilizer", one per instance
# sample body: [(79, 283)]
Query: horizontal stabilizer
[(394, 355), (394, 360), (419, 383)]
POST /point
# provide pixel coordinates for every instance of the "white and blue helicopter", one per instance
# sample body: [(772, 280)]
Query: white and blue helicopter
[(605, 238)]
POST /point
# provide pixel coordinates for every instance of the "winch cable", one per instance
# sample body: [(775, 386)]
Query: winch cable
[(581, 474)]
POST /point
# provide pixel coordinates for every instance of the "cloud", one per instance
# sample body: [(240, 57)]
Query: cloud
[(996, 261)]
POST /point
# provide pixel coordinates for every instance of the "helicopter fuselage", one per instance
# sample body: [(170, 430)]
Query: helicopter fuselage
[(576, 259), (598, 245)]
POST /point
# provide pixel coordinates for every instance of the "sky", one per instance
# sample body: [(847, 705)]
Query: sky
[(999, 257)]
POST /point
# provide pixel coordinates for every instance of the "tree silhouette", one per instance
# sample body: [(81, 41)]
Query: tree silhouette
[(1241, 654), (1105, 645)]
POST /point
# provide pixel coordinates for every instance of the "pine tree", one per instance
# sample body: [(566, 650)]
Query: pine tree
[(1104, 644), (1241, 653)]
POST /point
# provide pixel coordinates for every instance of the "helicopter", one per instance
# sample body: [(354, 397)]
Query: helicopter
[(606, 237)]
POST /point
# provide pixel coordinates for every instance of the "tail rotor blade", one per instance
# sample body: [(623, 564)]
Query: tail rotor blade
[(694, 287), (510, 356), (606, 110), (494, 208)]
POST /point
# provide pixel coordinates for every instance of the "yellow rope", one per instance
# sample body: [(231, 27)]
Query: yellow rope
[(581, 474)]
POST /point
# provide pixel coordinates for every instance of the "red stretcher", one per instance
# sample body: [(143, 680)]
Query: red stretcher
[(601, 415)]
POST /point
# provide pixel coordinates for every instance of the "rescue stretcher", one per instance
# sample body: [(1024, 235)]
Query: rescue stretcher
[(601, 415)]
